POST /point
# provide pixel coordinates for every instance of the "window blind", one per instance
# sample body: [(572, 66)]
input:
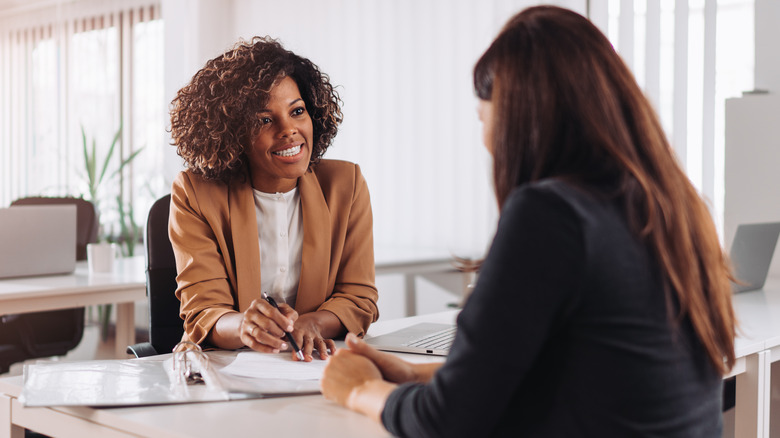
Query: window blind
[(68, 66)]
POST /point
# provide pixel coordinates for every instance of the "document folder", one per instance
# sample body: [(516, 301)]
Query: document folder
[(188, 375)]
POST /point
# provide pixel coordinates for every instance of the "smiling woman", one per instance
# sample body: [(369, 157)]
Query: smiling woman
[(259, 212), (281, 149)]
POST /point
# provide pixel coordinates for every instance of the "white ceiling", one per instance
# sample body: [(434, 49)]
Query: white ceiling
[(12, 6)]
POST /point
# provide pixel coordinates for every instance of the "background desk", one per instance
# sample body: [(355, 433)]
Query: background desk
[(757, 348), (300, 416), (124, 286), (411, 263)]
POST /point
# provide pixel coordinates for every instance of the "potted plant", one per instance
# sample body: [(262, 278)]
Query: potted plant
[(97, 176)]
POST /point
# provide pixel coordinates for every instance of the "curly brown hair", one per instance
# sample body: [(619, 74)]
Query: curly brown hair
[(213, 118)]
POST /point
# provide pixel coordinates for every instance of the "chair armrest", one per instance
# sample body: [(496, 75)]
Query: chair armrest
[(143, 349)]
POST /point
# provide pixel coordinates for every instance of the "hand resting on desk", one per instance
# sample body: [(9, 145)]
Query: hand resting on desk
[(361, 377)]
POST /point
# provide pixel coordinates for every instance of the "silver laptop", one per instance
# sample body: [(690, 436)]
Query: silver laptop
[(423, 338), (751, 254), (37, 240)]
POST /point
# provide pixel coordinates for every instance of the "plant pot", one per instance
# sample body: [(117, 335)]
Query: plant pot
[(101, 257)]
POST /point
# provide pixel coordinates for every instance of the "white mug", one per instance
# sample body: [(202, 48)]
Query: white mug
[(100, 256)]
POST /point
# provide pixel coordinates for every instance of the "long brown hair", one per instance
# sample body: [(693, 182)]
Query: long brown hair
[(565, 105)]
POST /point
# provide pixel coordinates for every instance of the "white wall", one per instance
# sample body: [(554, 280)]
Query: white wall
[(195, 31), (752, 164), (752, 171), (767, 49), (403, 69)]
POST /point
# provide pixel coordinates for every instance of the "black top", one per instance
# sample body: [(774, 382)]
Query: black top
[(565, 335)]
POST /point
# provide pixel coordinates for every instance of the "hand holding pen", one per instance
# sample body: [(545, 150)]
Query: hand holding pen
[(287, 334), (266, 327)]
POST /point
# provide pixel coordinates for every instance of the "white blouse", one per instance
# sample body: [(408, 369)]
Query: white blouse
[(280, 229)]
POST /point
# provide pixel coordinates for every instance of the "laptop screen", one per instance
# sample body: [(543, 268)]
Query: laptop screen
[(751, 254), (37, 240)]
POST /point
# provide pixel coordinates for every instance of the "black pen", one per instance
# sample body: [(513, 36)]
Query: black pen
[(290, 339)]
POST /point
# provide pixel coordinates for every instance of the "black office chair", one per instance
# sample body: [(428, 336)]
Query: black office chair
[(51, 333), (165, 326)]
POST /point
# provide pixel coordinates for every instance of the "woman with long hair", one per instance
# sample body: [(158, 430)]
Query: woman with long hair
[(603, 307)]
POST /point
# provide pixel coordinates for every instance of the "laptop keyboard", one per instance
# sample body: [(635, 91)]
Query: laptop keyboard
[(441, 340)]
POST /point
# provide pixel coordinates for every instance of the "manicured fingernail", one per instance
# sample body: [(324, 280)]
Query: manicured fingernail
[(284, 346), (276, 350)]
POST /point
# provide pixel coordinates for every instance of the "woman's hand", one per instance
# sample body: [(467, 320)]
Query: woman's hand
[(345, 372), (357, 377), (262, 326), (353, 381), (393, 368), (312, 332)]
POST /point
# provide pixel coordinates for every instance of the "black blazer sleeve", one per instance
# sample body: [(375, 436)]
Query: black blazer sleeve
[(527, 286)]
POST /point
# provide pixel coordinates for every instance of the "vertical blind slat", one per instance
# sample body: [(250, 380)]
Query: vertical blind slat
[(5, 105), (708, 104), (680, 96), (626, 32), (66, 37), (598, 13), (653, 53), (129, 20), (24, 107)]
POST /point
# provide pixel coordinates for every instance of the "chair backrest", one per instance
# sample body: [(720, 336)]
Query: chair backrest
[(87, 223), (165, 326)]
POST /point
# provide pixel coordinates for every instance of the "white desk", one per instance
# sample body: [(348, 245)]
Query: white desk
[(300, 416), (757, 347), (124, 286), (284, 415)]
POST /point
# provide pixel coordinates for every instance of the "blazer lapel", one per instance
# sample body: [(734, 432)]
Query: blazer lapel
[(315, 254), (246, 246)]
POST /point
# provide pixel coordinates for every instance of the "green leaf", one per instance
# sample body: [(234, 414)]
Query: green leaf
[(126, 161), (86, 153), (107, 161)]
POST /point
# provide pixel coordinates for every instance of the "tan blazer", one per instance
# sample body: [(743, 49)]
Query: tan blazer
[(213, 229)]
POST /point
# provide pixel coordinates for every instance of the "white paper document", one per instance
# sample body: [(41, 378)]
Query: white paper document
[(274, 366)]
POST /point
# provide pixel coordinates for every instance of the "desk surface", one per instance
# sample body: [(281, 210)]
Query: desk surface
[(408, 260), (758, 311), (758, 316), (124, 286), (302, 416), (80, 288)]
